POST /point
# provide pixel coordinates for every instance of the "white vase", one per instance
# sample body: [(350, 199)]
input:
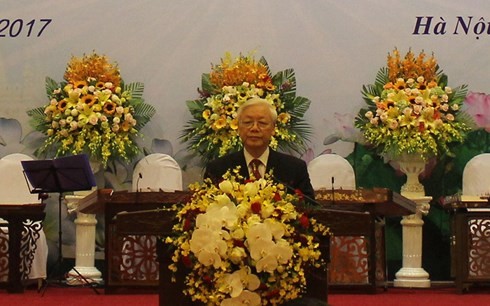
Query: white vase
[(412, 166)]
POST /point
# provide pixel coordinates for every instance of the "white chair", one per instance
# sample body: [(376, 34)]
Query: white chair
[(14, 190), (154, 173), (331, 171), (157, 172), (476, 178)]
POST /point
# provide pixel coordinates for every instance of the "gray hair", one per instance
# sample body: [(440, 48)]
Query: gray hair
[(258, 101)]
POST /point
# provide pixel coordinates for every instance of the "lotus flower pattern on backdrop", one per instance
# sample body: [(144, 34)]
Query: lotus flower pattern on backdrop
[(477, 105)]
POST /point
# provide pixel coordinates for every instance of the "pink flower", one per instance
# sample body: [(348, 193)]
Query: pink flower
[(478, 106)]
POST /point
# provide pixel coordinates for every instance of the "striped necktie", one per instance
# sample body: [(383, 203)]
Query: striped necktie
[(254, 164)]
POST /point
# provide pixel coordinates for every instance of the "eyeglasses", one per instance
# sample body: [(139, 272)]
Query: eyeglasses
[(250, 123)]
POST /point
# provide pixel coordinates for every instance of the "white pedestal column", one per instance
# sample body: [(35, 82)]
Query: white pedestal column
[(412, 274), (84, 270)]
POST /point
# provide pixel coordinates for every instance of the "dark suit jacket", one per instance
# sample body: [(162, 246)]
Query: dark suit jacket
[(286, 169)]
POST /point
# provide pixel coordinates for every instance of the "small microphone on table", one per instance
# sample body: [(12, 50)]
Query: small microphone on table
[(42, 196)]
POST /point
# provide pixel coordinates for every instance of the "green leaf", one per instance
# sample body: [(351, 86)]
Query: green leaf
[(382, 78), (136, 89), (286, 82), (301, 105), (196, 107), (51, 85), (206, 84), (263, 61), (459, 93), (37, 118), (143, 113), (442, 79)]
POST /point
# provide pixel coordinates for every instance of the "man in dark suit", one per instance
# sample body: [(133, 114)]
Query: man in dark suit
[(256, 125)]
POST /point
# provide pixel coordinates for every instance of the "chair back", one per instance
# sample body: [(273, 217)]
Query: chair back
[(157, 172), (14, 188), (331, 171), (476, 178)]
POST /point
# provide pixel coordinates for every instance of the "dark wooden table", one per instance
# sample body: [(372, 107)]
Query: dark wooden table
[(118, 275), (19, 261), (377, 203), (470, 242)]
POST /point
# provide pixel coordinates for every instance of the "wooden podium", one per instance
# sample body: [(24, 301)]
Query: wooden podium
[(160, 222)]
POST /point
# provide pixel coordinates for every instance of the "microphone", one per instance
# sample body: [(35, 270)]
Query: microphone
[(333, 190), (42, 196), (140, 176)]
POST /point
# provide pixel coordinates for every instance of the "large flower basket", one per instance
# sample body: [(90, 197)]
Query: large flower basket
[(212, 131), (92, 111), (411, 110)]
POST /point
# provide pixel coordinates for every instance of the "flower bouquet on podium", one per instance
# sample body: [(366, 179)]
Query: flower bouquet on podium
[(244, 242)]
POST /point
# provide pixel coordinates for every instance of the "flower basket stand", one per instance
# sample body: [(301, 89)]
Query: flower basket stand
[(412, 274)]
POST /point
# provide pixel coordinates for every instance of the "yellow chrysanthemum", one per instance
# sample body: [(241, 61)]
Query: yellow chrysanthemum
[(62, 105), (79, 84)]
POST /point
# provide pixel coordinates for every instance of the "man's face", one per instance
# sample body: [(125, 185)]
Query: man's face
[(256, 128)]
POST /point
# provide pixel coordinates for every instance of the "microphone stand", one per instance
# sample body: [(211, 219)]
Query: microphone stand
[(140, 176), (309, 199)]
